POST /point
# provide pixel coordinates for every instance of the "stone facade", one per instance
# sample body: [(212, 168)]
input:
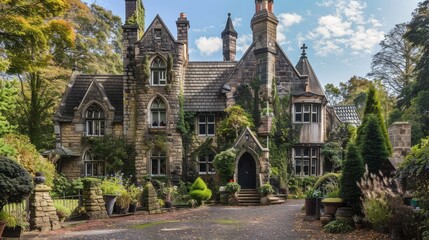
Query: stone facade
[(149, 199), (157, 69), (43, 215)]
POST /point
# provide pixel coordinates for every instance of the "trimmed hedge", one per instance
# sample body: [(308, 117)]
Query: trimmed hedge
[(199, 191)]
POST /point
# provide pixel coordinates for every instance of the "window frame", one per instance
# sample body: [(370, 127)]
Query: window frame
[(305, 113), (207, 160), (206, 125), (158, 71), (306, 157), (95, 121), (156, 113), (161, 159), (88, 160)]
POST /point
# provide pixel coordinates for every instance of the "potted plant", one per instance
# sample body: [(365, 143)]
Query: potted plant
[(169, 193), (358, 220), (111, 189), (123, 201), (311, 197), (265, 190), (331, 205), (135, 193), (14, 225), (232, 188)]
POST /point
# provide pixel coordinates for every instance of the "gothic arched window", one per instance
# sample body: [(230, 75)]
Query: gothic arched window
[(92, 166), (158, 163), (158, 72), (95, 121), (158, 112)]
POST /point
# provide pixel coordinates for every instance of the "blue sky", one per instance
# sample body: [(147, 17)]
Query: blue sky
[(342, 35)]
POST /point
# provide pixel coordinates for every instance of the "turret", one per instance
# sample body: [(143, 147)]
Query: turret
[(229, 38)]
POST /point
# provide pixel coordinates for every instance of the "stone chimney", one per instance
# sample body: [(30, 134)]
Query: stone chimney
[(130, 8), (182, 24)]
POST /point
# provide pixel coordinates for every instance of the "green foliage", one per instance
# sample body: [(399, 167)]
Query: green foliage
[(63, 186), (124, 199), (415, 170), (266, 189), (138, 18), (199, 191), (15, 182), (373, 107), (332, 152), (338, 226), (181, 195), (395, 116), (135, 193), (224, 163), (117, 151), (376, 211), (326, 178), (232, 187), (7, 106), (112, 186), (62, 211), (352, 173), (229, 128), (373, 146), (298, 185)]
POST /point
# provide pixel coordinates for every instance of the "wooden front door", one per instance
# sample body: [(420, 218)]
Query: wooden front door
[(247, 172)]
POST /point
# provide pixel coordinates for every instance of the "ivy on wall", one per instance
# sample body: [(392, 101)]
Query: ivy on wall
[(138, 18)]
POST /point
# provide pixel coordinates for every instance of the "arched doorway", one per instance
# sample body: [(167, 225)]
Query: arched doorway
[(247, 171)]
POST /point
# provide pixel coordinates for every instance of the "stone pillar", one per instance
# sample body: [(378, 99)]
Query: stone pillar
[(93, 200), (149, 199), (43, 215), (400, 138)]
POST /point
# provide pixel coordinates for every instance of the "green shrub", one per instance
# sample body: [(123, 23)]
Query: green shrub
[(135, 193), (112, 186), (338, 226), (232, 187), (15, 182), (353, 171), (376, 211), (62, 212), (224, 164), (266, 189), (199, 191), (124, 199)]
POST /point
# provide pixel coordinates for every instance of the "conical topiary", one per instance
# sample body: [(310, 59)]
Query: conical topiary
[(199, 191), (353, 170), (150, 199)]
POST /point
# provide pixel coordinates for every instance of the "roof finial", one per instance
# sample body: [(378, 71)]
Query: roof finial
[(229, 14), (304, 47)]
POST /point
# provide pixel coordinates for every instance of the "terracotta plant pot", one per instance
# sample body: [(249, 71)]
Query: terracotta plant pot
[(344, 213), (331, 205)]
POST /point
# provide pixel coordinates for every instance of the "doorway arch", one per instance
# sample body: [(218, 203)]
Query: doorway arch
[(246, 171)]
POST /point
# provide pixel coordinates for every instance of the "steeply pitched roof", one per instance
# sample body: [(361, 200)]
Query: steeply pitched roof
[(111, 85), (202, 83), (304, 68), (229, 27), (347, 114)]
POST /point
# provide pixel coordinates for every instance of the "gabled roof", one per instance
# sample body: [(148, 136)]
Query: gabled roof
[(202, 83), (313, 84), (157, 17), (241, 140), (111, 85), (347, 114), (229, 28)]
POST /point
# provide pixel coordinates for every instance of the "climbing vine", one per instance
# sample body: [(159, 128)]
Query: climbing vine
[(138, 18)]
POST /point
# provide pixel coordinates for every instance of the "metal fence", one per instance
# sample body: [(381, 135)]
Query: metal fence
[(18, 210)]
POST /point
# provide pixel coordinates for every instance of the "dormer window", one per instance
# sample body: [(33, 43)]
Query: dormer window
[(158, 72), (158, 114), (94, 121)]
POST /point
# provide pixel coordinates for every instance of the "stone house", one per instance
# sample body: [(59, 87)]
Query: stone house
[(144, 101)]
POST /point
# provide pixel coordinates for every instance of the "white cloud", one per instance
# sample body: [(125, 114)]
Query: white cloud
[(243, 42), (204, 29), (237, 21), (286, 20), (346, 27), (289, 19), (208, 45)]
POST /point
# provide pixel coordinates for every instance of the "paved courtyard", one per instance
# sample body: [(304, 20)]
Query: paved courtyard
[(207, 222)]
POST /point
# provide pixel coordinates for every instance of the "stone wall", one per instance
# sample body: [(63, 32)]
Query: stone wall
[(93, 199), (43, 215), (400, 138)]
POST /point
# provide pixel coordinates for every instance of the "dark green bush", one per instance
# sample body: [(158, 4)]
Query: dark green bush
[(224, 164), (199, 191), (338, 226), (15, 182), (353, 170)]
